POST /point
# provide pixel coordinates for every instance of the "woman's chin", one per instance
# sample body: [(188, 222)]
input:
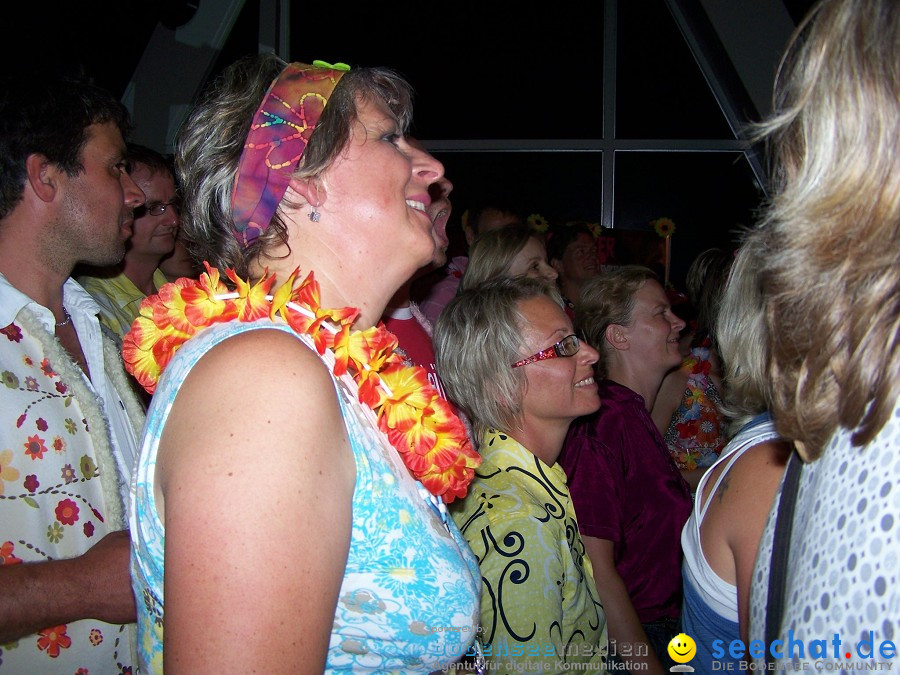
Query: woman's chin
[(588, 400)]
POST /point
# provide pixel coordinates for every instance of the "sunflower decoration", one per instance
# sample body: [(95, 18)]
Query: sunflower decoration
[(537, 222), (595, 228), (664, 227)]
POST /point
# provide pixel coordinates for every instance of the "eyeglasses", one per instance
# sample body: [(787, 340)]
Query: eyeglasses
[(568, 346), (157, 208)]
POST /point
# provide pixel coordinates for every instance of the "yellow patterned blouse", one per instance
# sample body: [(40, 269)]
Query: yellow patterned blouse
[(539, 603)]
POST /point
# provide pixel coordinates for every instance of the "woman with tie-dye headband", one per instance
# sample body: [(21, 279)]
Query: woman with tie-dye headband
[(289, 502)]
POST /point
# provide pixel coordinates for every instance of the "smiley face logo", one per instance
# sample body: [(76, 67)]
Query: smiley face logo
[(682, 648)]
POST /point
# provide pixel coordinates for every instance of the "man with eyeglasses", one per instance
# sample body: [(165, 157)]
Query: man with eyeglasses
[(572, 252), (120, 290)]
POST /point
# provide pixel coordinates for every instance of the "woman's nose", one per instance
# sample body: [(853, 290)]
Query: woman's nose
[(591, 355), (426, 166)]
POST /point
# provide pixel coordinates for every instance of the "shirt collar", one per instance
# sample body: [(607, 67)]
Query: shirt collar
[(505, 453), (12, 300)]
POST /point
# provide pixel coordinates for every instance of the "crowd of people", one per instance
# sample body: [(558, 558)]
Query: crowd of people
[(233, 445)]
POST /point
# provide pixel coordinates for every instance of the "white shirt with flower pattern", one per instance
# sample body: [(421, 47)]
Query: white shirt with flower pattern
[(62, 471)]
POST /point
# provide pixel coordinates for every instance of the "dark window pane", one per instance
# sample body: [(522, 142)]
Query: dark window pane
[(243, 40), (506, 71), (709, 196), (661, 92), (558, 186)]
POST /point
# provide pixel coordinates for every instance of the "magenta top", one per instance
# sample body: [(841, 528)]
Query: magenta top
[(627, 489)]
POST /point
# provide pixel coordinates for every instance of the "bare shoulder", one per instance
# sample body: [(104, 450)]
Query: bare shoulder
[(736, 513), (668, 398), (254, 465), (746, 492), (763, 462), (274, 353), (759, 463), (262, 389)]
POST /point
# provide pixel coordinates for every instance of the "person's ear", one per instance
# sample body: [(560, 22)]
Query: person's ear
[(470, 235), (43, 176), (557, 265), (617, 336), (312, 190)]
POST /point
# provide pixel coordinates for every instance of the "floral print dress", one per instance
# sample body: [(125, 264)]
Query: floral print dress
[(696, 434)]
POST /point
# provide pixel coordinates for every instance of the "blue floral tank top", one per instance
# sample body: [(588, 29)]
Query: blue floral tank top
[(409, 600)]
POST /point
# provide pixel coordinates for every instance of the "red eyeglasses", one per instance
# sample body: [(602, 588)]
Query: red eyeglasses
[(568, 346)]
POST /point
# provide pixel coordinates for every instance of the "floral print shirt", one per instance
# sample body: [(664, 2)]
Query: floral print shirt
[(539, 603), (60, 486), (696, 434), (409, 598)]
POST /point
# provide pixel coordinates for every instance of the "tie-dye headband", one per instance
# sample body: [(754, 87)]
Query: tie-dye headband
[(278, 136)]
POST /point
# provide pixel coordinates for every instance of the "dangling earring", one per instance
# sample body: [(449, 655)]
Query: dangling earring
[(314, 215), (313, 188)]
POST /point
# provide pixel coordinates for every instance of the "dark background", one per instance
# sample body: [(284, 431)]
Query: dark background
[(487, 75)]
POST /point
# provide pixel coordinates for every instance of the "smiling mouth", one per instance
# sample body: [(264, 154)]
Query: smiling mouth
[(585, 382), (418, 206)]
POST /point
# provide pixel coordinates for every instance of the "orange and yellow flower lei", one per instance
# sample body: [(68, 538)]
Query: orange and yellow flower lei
[(420, 424)]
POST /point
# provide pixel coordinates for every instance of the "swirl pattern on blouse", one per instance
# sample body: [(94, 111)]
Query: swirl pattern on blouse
[(539, 603)]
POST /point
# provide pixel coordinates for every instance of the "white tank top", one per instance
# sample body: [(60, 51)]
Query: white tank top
[(717, 593)]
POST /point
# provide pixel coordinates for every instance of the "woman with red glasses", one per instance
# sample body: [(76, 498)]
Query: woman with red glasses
[(631, 499), (508, 357)]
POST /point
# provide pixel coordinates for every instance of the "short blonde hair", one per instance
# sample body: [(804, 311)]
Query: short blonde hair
[(827, 246), (476, 339)]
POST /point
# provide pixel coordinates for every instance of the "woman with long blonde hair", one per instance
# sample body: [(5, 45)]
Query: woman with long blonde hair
[(828, 263)]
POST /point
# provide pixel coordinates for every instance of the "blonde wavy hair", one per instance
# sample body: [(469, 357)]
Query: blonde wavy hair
[(742, 340), (829, 240)]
